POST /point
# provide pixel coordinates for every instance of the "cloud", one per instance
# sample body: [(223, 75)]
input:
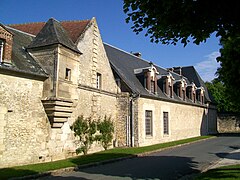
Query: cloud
[(208, 67)]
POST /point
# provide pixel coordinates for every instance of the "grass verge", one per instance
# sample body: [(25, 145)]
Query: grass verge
[(226, 173), (110, 154)]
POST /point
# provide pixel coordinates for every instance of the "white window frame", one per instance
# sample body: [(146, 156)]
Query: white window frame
[(150, 121), (1, 50), (165, 123)]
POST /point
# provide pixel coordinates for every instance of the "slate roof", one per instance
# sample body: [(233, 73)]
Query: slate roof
[(73, 28), (22, 61), (193, 76), (53, 33), (124, 63)]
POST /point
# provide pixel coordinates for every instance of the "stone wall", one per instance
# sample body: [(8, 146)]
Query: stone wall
[(123, 119), (24, 127), (228, 123), (185, 121)]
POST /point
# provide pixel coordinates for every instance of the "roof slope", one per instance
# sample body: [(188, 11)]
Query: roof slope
[(73, 28), (22, 61), (124, 64), (193, 76), (53, 33)]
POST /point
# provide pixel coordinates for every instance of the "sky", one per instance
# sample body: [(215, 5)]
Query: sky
[(115, 31)]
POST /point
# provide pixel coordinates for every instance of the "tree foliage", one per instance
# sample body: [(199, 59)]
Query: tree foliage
[(229, 72), (106, 130), (221, 96), (172, 21), (85, 129)]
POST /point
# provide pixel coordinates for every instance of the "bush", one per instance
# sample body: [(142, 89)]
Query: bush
[(106, 130), (85, 130)]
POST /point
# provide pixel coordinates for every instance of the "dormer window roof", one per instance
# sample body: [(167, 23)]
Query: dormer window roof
[(148, 77)]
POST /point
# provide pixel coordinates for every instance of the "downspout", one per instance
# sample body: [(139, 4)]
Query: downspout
[(133, 97)]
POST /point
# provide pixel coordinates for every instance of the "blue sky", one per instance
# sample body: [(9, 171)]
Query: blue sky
[(114, 30)]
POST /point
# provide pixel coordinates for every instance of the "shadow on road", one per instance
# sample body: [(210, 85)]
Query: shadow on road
[(147, 167), (229, 134)]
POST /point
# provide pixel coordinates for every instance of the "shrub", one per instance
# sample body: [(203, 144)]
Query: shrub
[(106, 130), (84, 128)]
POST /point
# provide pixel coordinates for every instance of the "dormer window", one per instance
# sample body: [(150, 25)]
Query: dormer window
[(166, 83), (191, 92), (180, 88), (1, 50), (200, 95), (148, 77)]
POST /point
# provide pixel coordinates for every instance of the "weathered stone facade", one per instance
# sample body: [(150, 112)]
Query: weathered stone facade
[(24, 126), (71, 78), (181, 124), (228, 123)]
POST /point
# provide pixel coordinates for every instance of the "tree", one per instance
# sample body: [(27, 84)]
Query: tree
[(171, 21), (85, 130), (106, 130), (229, 73), (221, 97)]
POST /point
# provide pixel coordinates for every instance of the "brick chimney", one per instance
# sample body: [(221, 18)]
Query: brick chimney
[(6, 39)]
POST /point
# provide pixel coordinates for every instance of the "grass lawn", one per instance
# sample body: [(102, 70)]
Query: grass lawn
[(226, 172), (18, 171)]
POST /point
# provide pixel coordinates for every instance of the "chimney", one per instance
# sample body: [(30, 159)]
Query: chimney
[(177, 70)]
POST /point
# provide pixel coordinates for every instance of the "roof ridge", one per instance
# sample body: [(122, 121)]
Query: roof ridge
[(25, 23), (85, 20)]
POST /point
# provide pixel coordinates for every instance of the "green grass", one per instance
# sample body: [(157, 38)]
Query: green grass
[(18, 171), (226, 172)]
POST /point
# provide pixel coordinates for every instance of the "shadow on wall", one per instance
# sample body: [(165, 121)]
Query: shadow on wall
[(204, 125), (147, 167)]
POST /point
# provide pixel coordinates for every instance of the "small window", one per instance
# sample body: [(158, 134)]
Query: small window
[(1, 50), (170, 91), (68, 74), (99, 79), (148, 123), (165, 123), (183, 94), (152, 87)]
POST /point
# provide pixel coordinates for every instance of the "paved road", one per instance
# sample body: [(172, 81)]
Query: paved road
[(168, 164)]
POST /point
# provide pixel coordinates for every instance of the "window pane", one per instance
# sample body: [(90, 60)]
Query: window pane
[(148, 122), (165, 123), (98, 83)]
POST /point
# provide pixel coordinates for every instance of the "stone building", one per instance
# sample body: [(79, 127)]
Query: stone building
[(52, 72)]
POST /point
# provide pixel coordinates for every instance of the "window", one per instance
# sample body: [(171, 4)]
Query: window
[(183, 94), (148, 123), (68, 74), (152, 87), (170, 91), (1, 50), (99, 79), (165, 123)]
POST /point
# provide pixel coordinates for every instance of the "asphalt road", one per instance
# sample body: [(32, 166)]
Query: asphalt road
[(168, 164)]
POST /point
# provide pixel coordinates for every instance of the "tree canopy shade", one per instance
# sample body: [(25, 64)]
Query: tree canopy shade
[(170, 21)]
